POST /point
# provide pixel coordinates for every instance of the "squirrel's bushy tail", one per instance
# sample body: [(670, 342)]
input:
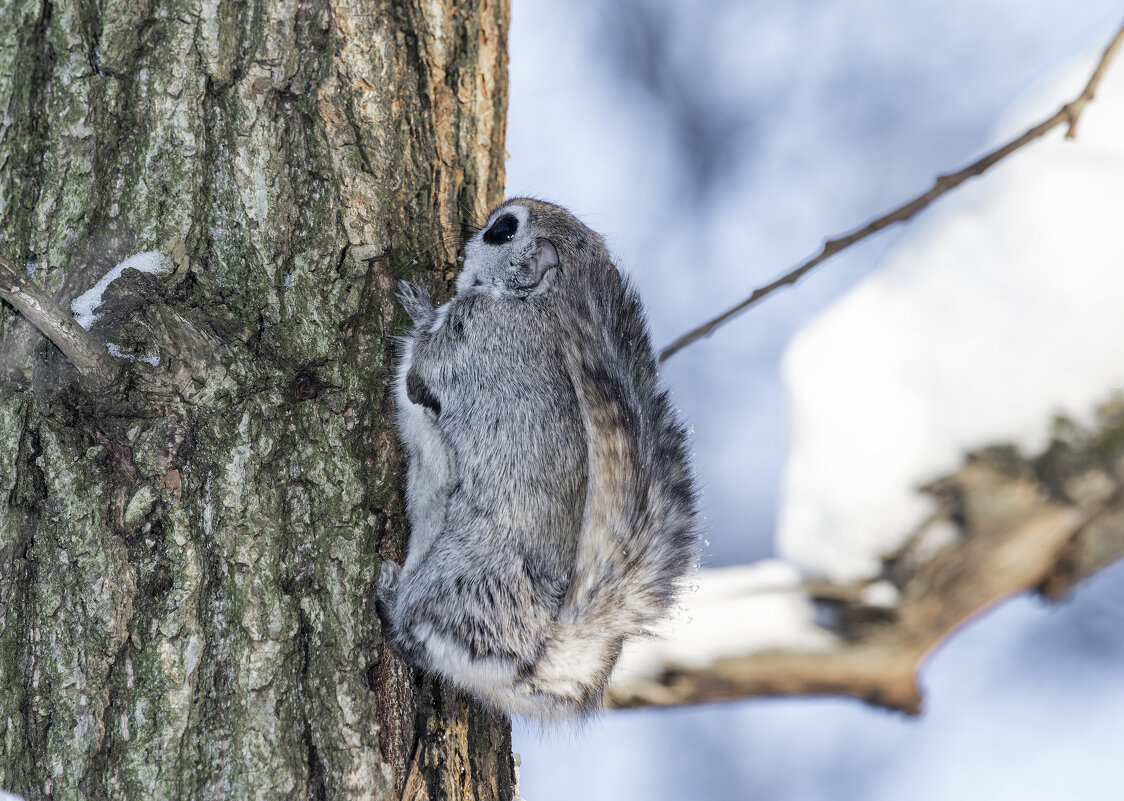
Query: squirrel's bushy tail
[(638, 539)]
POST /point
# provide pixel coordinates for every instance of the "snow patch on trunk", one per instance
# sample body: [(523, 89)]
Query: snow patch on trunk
[(85, 306)]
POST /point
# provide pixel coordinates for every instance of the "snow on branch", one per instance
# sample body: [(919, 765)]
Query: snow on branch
[(1069, 114), (123, 304), (1003, 524)]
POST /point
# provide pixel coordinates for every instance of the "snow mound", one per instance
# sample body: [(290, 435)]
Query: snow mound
[(733, 611)]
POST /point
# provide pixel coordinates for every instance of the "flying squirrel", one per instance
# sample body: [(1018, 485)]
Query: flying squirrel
[(551, 502)]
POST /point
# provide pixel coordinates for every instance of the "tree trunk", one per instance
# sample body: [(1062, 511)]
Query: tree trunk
[(188, 550)]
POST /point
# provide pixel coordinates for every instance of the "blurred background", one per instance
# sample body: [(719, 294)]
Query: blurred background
[(715, 144)]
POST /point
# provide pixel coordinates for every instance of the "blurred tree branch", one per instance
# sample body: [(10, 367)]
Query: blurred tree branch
[(1069, 114), (1040, 523)]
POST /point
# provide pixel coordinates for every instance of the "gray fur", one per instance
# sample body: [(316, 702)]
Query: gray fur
[(550, 500)]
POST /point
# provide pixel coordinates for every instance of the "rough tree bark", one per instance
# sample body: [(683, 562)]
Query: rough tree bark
[(188, 550)]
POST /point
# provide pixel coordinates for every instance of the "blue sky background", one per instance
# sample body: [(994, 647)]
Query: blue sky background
[(716, 143)]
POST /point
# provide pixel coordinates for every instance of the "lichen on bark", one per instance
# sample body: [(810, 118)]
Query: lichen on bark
[(187, 559)]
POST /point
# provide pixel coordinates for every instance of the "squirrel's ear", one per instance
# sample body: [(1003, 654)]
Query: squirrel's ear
[(544, 257)]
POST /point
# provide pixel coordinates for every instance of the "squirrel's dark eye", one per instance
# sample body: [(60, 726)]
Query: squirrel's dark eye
[(502, 231)]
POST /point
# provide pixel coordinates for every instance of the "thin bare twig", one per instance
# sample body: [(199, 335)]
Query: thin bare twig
[(1069, 113), (95, 366)]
